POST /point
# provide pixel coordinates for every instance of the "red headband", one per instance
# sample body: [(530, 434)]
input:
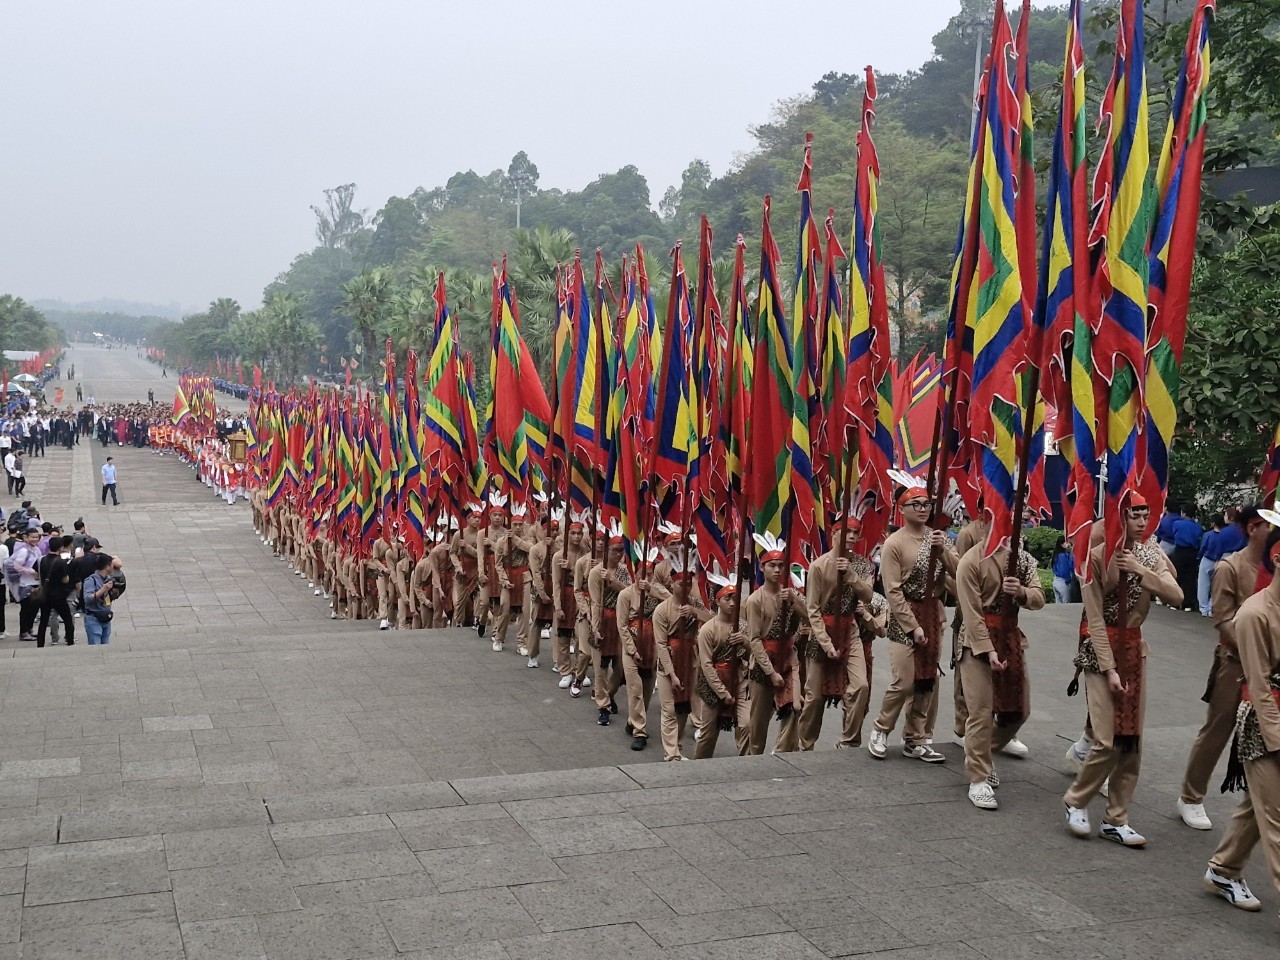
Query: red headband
[(576, 525), (773, 556), (912, 493), (1136, 501), (617, 541), (727, 590)]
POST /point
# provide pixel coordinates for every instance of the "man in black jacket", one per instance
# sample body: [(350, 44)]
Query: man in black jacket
[(55, 571)]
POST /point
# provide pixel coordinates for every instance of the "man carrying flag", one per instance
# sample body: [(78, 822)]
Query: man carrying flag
[(915, 626), (1115, 657), (839, 581)]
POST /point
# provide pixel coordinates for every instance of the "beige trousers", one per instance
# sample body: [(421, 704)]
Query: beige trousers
[(1219, 725), (706, 731), (760, 713), (582, 661), (1257, 818), (855, 690), (1105, 760), (922, 708), (639, 695), (856, 709), (605, 683), (672, 723), (982, 737), (961, 715), (563, 637)]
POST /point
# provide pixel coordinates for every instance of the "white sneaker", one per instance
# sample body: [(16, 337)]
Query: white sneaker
[(982, 797), (1073, 759), (555, 668), (546, 633), (1078, 821), (923, 751), (993, 779), (958, 740), (310, 584), (586, 681), (878, 745), (384, 625), (497, 647), (1125, 835), (1193, 815), (565, 681), (1105, 789), (522, 650), (317, 593), (333, 615), (533, 663), (1235, 892), (1016, 748)]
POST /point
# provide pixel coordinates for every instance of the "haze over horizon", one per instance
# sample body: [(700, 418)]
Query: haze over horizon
[(169, 154)]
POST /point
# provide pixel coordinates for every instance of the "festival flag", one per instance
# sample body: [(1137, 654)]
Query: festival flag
[(770, 446), (835, 350), (1125, 199), (1173, 243), (917, 395), (1066, 311), (412, 502), (739, 379), (998, 310), (1269, 483), (676, 438), (630, 418), (582, 380), (181, 409), (711, 517), (808, 523), (869, 393), (388, 427)]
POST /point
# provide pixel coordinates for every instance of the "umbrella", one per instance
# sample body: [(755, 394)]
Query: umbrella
[(25, 378), (18, 388)]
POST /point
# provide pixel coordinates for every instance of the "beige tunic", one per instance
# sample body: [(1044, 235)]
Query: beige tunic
[(980, 582)]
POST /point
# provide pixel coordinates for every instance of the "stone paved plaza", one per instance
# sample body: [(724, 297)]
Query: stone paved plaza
[(237, 776)]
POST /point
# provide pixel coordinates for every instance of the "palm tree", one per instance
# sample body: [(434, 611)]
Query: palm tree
[(365, 300), (539, 256), (410, 319), (293, 335)]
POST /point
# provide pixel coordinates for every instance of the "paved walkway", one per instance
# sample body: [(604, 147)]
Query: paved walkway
[(237, 776)]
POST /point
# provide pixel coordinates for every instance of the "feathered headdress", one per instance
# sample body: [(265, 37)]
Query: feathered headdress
[(913, 487), (725, 583), (774, 548)]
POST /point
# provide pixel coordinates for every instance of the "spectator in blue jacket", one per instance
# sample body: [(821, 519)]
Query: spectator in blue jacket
[(1233, 535), (1210, 554), (1186, 551), (1064, 568), (1164, 531)]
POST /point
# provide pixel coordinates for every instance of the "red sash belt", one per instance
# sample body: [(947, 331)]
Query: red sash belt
[(608, 632), (928, 614), (1008, 686), (1244, 694), (681, 648), (833, 671), (646, 651), (1126, 650)]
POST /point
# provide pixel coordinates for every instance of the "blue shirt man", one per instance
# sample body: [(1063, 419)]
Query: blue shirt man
[(1232, 539), (1187, 533), (1211, 546), (1164, 532)]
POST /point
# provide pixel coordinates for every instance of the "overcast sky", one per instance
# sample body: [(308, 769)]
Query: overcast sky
[(169, 151)]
